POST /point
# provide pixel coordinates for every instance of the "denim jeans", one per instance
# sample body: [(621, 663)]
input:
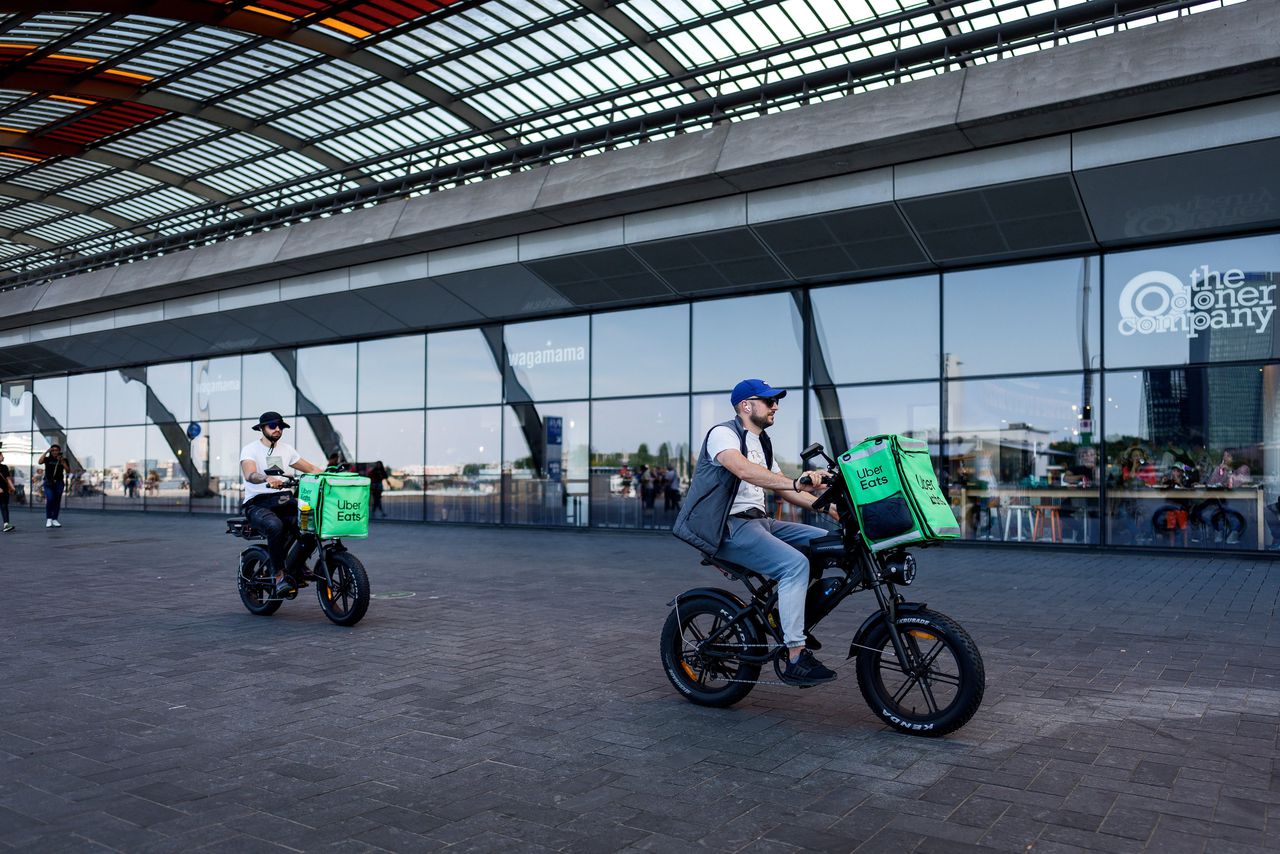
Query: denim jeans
[(767, 546), (52, 500)]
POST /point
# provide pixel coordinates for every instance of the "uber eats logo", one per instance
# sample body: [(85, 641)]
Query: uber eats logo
[(1157, 301), (349, 511)]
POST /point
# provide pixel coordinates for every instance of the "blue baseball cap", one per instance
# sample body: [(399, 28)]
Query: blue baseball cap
[(754, 388)]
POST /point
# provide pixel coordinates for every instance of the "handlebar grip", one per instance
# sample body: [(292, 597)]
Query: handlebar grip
[(805, 481)]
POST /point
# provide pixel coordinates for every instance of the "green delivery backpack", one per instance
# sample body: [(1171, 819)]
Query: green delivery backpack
[(339, 504), (896, 494)]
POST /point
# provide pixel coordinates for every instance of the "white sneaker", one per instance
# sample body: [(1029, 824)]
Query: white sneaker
[(56, 523), (7, 527), (48, 523)]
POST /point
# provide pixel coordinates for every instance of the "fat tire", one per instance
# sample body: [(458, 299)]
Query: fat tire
[(352, 580), (971, 676), (256, 564), (673, 648)]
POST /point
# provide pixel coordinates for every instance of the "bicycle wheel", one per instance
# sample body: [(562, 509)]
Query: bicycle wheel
[(941, 686), (256, 582), (708, 680), (346, 600)]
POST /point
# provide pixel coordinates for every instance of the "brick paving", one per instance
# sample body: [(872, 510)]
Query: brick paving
[(516, 703)]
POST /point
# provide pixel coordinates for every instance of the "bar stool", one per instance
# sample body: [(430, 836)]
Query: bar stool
[(1017, 512), (1047, 514)]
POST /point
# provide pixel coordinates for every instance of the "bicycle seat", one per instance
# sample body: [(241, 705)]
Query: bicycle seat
[(240, 527), (729, 567)]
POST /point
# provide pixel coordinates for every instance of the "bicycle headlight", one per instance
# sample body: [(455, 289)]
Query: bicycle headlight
[(901, 568)]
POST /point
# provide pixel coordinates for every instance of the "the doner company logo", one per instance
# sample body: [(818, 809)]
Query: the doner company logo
[(1157, 301)]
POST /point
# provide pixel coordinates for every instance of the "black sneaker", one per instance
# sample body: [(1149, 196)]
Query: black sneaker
[(807, 670), (284, 589)]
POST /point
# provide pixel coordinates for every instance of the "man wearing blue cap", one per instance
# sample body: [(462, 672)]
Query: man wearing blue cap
[(724, 515)]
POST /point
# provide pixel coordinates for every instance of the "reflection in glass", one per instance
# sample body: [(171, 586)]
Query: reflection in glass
[(49, 407), (83, 450), (216, 456), (1022, 463), (855, 326), (1022, 318), (124, 467), (1191, 457), (164, 479), (327, 378), (841, 418), (15, 407), (265, 384), (545, 464), (322, 440), (20, 458), (217, 389), (632, 442), (1203, 302), (86, 406), (547, 359), (462, 367), (390, 455), (171, 384), (645, 351), (392, 371), (126, 396), (734, 339), (464, 464)]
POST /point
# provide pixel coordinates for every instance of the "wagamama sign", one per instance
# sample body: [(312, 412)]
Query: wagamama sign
[(1157, 301)]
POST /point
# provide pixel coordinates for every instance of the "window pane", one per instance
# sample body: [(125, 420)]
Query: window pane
[(855, 326), (171, 384), (1022, 319), (217, 389), (124, 456), (266, 386), (547, 359), (629, 439), (735, 339), (20, 458), (640, 352), (15, 407), (216, 456), (464, 453), (1204, 302), (50, 407), (83, 450), (392, 373), (1193, 457), (841, 418), (462, 367), (327, 379), (545, 456), (85, 402), (391, 443), (1019, 465), (322, 440), (164, 483), (127, 396)]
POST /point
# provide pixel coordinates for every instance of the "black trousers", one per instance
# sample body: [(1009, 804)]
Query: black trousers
[(279, 522), (4, 506)]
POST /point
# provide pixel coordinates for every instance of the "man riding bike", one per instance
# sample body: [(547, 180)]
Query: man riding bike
[(724, 515), (268, 507)]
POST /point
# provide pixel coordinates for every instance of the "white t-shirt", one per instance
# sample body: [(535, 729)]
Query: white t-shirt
[(723, 439), (283, 456)]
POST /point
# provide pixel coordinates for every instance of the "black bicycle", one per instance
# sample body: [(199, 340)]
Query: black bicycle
[(342, 585), (918, 670)]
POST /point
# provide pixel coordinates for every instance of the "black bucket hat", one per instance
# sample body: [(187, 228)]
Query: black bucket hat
[(267, 418)]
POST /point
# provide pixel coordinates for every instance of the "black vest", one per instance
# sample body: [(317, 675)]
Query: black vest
[(705, 511)]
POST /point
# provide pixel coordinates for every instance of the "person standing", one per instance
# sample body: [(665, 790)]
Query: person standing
[(671, 490), (377, 477), (6, 489), (56, 469)]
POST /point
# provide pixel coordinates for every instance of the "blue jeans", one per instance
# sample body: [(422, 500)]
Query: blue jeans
[(767, 546), (53, 500)]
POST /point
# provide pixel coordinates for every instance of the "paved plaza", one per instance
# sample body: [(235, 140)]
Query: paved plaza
[(515, 702)]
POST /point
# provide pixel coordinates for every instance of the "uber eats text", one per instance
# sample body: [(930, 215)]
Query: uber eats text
[(349, 511), (870, 478)]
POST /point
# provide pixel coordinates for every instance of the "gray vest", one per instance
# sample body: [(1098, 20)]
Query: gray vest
[(705, 512)]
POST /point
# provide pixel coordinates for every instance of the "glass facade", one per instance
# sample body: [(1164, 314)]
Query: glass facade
[(1124, 399)]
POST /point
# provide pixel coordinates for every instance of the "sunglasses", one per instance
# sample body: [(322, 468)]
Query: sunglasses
[(767, 401), (273, 425)]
